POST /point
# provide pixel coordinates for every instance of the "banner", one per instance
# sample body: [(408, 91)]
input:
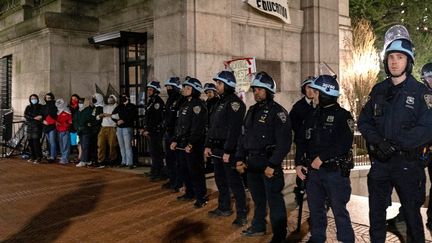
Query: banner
[(278, 8), (243, 69)]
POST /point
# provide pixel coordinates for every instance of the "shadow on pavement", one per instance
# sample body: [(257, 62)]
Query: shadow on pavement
[(49, 224), (186, 230)]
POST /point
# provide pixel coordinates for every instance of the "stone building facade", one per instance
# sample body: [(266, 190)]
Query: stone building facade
[(50, 47)]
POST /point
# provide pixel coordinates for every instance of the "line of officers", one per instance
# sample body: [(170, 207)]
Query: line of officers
[(255, 141), (396, 123)]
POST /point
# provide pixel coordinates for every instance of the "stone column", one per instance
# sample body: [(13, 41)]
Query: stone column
[(320, 35)]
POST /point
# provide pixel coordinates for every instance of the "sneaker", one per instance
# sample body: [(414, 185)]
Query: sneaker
[(240, 221), (250, 232), (200, 204), (37, 161), (63, 163), (220, 213), (88, 163), (30, 160), (81, 164), (185, 197)]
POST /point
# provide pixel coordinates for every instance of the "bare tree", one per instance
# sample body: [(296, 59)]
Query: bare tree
[(360, 67)]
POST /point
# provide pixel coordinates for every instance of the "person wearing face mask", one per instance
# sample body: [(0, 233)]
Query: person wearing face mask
[(49, 121), (107, 138), (33, 116), (74, 108), (82, 122), (124, 115), (325, 141), (97, 104), (396, 123), (172, 105), (265, 142), (63, 124)]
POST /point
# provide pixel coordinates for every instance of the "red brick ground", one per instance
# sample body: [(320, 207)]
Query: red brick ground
[(54, 203)]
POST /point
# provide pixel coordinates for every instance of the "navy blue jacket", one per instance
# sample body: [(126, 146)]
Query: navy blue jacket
[(266, 124), (327, 132), (401, 114)]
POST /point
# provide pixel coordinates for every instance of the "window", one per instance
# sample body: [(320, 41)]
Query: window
[(6, 82)]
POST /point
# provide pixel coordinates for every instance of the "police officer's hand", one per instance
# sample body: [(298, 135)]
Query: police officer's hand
[(225, 158), (299, 171), (173, 146), (316, 163), (386, 148), (207, 152), (269, 172), (188, 148), (240, 167)]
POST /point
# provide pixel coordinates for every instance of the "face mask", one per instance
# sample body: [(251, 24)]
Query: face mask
[(110, 101), (123, 99), (170, 92), (34, 101), (94, 100), (81, 105)]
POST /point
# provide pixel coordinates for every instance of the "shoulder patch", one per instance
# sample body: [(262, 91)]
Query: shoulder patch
[(235, 106), (428, 100), (282, 116), (156, 106), (196, 109), (351, 124)]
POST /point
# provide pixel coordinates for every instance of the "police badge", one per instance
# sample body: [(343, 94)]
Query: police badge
[(156, 106), (428, 100), (282, 116), (235, 106), (196, 109)]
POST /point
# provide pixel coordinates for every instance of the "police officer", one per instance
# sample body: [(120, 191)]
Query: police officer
[(189, 140), (212, 97), (265, 143), (323, 148), (396, 122), (153, 128), (221, 143), (297, 115), (172, 106), (426, 77)]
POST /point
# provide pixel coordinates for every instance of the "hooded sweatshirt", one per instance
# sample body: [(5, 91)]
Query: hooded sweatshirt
[(64, 116), (108, 109)]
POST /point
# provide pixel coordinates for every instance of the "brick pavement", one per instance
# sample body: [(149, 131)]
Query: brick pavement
[(54, 203)]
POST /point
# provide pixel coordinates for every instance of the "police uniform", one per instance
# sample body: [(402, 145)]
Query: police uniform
[(400, 114), (190, 131), (172, 106), (153, 124), (396, 123), (222, 137), (327, 134), (265, 142)]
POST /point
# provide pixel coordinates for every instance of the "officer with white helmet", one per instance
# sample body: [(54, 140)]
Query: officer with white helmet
[(220, 145), (396, 123), (323, 150), (189, 142), (265, 142)]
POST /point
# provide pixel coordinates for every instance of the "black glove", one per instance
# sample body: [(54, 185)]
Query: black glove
[(386, 148)]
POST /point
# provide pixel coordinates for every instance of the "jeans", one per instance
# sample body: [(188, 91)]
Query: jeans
[(64, 142), (52, 140), (124, 137), (85, 147)]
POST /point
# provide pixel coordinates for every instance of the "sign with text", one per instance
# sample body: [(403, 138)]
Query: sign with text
[(243, 69), (277, 8)]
